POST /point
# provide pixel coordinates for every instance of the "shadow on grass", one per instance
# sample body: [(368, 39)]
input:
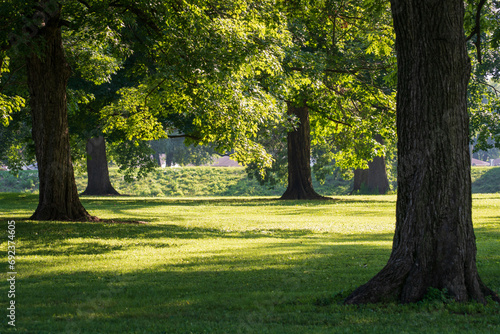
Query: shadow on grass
[(78, 238), (21, 206), (232, 201), (68, 248), (288, 283), (239, 294), (119, 206), (15, 202), (487, 233), (223, 294)]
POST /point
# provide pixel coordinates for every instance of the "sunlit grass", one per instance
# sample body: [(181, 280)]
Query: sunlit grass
[(226, 265)]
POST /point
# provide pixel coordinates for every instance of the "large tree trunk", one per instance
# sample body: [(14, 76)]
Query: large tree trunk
[(169, 158), (98, 182), (374, 179), (47, 79), (299, 158), (434, 244)]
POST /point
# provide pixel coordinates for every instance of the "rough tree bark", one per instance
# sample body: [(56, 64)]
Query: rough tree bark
[(98, 182), (48, 74), (374, 179), (434, 244), (299, 158)]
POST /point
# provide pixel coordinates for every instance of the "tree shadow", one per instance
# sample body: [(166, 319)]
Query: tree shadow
[(239, 290), (82, 238), (135, 203), (488, 234), (290, 283), (15, 204), (219, 293)]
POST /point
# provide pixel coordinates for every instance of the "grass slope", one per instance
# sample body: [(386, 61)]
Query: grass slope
[(185, 181), (213, 181), (485, 180), (226, 265)]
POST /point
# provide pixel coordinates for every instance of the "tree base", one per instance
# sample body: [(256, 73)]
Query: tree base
[(98, 183), (107, 192), (51, 213), (399, 283), (294, 194)]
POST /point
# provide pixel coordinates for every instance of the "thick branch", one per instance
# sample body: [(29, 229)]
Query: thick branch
[(139, 13), (185, 136), (477, 30), (65, 23), (85, 3)]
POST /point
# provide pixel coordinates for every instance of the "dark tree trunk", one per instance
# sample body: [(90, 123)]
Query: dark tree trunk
[(169, 157), (299, 158), (434, 244), (374, 179), (98, 182), (47, 79), (156, 156)]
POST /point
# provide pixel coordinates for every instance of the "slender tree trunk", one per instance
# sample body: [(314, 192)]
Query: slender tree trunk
[(47, 79), (299, 158), (169, 157), (374, 179), (157, 158), (434, 244), (98, 182)]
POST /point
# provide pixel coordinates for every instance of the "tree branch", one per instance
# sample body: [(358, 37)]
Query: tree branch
[(328, 117), (139, 13), (185, 136), (64, 23), (11, 74), (495, 90), (152, 90), (301, 69), (85, 3), (477, 30), (345, 71)]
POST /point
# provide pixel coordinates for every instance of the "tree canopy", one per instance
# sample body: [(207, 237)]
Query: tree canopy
[(483, 35), (341, 67), (224, 72), (199, 59)]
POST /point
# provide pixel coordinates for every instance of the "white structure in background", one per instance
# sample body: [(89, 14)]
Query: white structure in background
[(225, 161), (476, 162)]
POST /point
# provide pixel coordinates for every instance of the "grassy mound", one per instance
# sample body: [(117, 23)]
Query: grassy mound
[(185, 181), (217, 181), (485, 180)]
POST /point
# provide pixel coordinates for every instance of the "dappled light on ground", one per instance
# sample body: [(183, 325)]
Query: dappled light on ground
[(224, 265)]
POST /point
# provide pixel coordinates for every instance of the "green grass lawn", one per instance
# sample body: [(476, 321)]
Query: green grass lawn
[(225, 265)]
